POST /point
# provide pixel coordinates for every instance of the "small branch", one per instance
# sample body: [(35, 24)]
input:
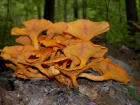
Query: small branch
[(135, 25)]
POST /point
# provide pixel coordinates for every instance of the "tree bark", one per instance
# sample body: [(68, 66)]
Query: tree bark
[(120, 11), (132, 14), (65, 11), (75, 9), (107, 9), (26, 6), (49, 10), (58, 10), (39, 11), (7, 17), (84, 9), (107, 13)]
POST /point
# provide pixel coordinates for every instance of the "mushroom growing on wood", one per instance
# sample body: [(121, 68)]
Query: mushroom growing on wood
[(63, 53)]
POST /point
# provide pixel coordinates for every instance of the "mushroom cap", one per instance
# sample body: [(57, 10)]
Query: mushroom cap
[(24, 40), (51, 43), (33, 28), (55, 30), (14, 51), (11, 66), (111, 71), (86, 29), (56, 59), (84, 50), (66, 41)]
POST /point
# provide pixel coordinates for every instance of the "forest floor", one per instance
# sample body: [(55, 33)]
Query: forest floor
[(15, 91)]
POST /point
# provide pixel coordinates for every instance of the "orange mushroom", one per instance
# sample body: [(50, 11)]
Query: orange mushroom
[(11, 66), (14, 51), (62, 54), (63, 79), (36, 62), (110, 71), (54, 60), (73, 73), (84, 50), (24, 40), (33, 75), (33, 70), (52, 71), (9, 58), (33, 28), (51, 43), (66, 41), (55, 30), (86, 29)]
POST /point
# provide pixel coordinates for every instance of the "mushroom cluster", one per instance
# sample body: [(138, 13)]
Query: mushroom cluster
[(62, 53)]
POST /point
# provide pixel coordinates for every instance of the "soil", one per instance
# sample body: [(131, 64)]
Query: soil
[(14, 91)]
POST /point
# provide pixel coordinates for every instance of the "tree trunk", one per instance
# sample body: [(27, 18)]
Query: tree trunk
[(65, 11), (7, 17), (132, 15), (120, 11), (49, 10), (58, 10), (84, 9), (107, 13), (139, 8), (107, 8), (75, 9), (26, 6), (39, 11)]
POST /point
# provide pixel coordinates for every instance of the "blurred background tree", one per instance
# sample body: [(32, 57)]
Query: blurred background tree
[(49, 10), (119, 13), (131, 14)]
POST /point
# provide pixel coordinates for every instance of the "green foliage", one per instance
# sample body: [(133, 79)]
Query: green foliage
[(132, 93), (77, 91), (118, 32), (12, 14)]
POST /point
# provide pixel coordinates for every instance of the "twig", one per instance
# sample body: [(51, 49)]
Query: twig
[(135, 25)]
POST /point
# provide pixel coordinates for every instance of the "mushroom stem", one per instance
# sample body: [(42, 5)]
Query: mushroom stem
[(65, 63), (92, 77), (43, 70), (52, 55), (75, 84), (35, 71), (35, 43), (72, 65), (58, 54), (53, 72)]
